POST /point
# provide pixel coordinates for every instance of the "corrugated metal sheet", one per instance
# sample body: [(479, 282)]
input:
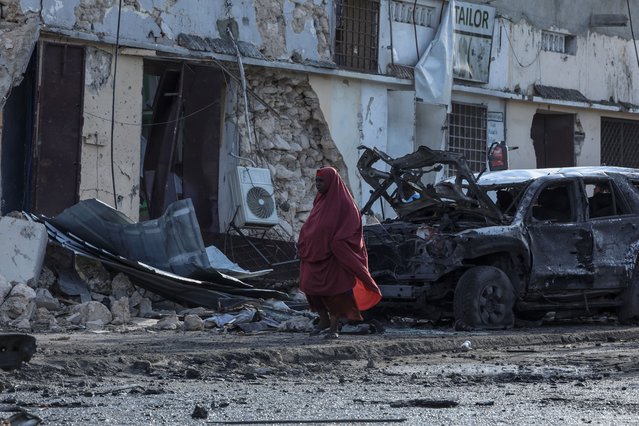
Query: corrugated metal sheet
[(218, 45), (550, 92)]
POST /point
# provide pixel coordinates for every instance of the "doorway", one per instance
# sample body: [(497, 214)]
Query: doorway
[(553, 138), (181, 139)]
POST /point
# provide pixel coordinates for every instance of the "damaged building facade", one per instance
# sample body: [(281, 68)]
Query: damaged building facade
[(141, 103)]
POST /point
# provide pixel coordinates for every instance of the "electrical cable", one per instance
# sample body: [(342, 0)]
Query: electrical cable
[(515, 54), (632, 31), (115, 72), (415, 29)]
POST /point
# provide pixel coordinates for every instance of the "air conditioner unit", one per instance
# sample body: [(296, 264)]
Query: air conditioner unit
[(253, 195)]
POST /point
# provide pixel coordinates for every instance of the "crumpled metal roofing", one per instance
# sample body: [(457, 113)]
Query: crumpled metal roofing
[(218, 45), (551, 92), (165, 255)]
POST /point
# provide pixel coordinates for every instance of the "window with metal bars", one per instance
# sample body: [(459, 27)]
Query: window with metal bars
[(356, 34), (467, 134), (619, 142)]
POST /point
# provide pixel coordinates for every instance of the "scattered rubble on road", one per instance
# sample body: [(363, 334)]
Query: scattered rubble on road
[(91, 268)]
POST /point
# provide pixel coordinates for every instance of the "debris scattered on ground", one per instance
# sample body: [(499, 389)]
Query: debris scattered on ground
[(466, 346), (425, 403)]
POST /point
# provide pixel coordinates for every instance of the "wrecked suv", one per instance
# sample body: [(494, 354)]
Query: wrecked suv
[(515, 243)]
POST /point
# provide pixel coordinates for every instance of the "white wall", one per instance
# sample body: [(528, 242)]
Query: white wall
[(96, 177), (603, 67)]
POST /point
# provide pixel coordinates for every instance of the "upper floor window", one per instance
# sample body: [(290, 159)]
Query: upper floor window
[(409, 13), (356, 34), (557, 42)]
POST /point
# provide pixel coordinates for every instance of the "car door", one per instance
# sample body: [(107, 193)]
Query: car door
[(615, 230), (560, 239)]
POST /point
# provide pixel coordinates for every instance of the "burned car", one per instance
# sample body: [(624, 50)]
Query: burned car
[(485, 249)]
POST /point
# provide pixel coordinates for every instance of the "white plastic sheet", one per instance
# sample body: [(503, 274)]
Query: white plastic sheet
[(434, 70)]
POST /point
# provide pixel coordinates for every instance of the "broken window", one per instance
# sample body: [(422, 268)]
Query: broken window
[(181, 139), (356, 34), (467, 134), (603, 200), (619, 142), (554, 204)]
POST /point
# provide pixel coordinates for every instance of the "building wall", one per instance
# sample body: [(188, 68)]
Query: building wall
[(96, 176), (279, 28), (603, 68)]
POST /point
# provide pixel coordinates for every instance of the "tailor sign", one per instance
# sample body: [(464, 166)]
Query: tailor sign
[(473, 40)]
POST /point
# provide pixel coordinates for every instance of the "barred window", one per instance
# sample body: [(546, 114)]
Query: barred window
[(619, 142), (467, 134), (356, 34), (559, 43)]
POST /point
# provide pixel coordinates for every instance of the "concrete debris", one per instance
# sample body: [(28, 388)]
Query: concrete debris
[(93, 274), (466, 346), (200, 412), (193, 322), (169, 322), (5, 288), (89, 312), (121, 311), (44, 299), (121, 286)]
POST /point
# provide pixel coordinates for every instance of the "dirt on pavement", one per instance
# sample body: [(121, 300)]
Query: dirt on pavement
[(570, 374)]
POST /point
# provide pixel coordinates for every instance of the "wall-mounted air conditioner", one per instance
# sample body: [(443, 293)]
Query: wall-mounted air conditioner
[(253, 196)]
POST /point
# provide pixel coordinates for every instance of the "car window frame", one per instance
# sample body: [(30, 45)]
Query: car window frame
[(575, 194)]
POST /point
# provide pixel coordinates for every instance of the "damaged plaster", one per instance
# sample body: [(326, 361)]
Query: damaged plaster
[(98, 69), (292, 146), (309, 26), (17, 42), (269, 15)]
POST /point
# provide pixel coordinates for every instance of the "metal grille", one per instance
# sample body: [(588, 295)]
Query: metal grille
[(553, 42), (356, 34), (619, 142), (467, 134)]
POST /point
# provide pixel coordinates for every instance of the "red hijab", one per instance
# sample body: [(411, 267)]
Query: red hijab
[(331, 246)]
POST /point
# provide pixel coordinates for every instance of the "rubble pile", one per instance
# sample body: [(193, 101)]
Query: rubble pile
[(102, 302)]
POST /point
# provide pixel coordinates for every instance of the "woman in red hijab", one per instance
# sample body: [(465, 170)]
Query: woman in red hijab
[(333, 260)]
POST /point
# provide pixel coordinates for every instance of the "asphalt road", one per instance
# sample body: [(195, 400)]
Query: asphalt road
[(560, 374)]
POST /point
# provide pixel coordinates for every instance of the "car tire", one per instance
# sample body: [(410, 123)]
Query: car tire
[(484, 298), (629, 311)]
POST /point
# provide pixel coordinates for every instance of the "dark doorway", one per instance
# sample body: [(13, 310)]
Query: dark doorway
[(56, 170), (554, 139), (182, 132), (17, 135)]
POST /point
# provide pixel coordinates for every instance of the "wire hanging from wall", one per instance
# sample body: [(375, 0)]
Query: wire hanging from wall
[(115, 72), (632, 31)]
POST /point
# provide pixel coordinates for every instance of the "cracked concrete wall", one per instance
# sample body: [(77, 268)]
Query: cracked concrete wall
[(279, 28), (603, 67), (292, 146), (95, 178)]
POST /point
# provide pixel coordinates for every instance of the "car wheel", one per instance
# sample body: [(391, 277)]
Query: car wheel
[(484, 298), (629, 310)]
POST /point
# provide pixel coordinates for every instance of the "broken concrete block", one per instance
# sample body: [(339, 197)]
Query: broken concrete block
[(22, 290), (19, 302), (5, 288), (92, 311), (94, 274), (120, 311), (43, 319), (24, 244), (21, 324), (44, 299), (146, 308), (169, 322), (193, 322), (121, 286), (47, 278)]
